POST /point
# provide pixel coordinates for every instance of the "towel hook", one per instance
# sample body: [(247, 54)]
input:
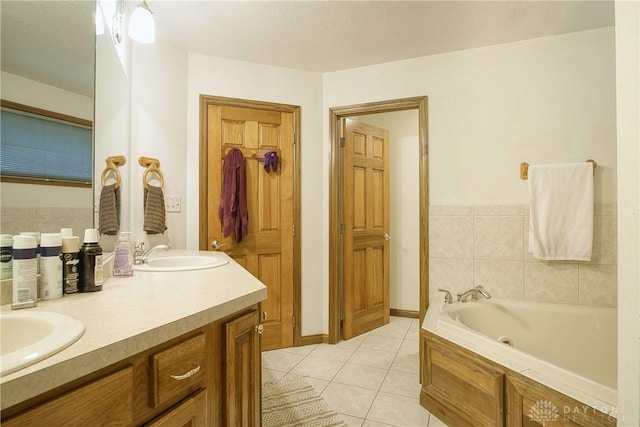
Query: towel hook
[(152, 165), (113, 162)]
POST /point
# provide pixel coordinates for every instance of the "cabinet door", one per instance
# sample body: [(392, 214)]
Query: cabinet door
[(530, 404), (243, 405), (192, 412), (461, 389)]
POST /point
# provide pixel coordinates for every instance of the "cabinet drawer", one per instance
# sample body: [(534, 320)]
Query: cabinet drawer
[(104, 402), (178, 369)]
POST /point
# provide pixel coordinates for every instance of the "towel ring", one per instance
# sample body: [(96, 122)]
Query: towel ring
[(152, 165), (113, 162)]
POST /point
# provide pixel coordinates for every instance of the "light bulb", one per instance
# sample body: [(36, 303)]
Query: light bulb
[(141, 26)]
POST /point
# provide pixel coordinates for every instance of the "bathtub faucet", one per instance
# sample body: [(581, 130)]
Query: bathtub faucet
[(473, 294)]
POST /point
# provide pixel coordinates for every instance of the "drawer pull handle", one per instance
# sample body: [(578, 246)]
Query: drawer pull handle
[(187, 375)]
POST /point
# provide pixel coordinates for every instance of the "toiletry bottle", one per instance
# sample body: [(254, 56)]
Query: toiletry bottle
[(25, 272), (50, 266), (35, 235), (6, 255), (90, 262), (70, 264), (123, 260)]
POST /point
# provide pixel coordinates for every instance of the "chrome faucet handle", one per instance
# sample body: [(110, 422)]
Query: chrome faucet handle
[(448, 299)]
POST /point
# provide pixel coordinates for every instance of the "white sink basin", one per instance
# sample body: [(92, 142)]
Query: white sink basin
[(30, 336), (182, 263)]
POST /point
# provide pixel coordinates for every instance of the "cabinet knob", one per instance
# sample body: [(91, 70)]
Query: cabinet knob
[(264, 315), (260, 329)]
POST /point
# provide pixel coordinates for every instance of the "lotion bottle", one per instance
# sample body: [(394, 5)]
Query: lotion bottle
[(122, 262)]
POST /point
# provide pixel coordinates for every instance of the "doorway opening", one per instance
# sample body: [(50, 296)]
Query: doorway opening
[(336, 224)]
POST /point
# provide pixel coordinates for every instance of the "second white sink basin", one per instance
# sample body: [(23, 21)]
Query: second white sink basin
[(30, 336), (182, 263)]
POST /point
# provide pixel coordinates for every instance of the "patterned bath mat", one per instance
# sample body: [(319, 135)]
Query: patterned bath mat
[(292, 401)]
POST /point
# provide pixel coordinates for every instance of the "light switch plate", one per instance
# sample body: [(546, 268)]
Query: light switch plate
[(172, 204)]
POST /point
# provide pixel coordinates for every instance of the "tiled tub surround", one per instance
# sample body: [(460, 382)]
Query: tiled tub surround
[(488, 246), (13, 220)]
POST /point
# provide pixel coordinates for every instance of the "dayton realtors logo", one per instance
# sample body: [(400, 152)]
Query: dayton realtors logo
[(544, 412)]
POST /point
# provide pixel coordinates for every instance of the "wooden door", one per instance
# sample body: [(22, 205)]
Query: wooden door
[(365, 201), (267, 250), (243, 382)]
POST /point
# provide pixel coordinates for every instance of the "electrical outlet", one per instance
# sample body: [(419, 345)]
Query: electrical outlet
[(172, 204)]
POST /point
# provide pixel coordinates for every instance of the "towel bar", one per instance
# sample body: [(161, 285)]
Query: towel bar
[(524, 169), (113, 162)]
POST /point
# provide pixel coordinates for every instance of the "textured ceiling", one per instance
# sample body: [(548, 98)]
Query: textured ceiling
[(52, 41)]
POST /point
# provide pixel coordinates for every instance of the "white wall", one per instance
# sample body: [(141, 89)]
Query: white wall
[(628, 104), (159, 130), (544, 100)]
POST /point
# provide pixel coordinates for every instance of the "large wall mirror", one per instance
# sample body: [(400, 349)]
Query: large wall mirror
[(53, 60)]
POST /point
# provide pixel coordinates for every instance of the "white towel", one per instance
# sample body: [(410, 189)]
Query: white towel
[(561, 213)]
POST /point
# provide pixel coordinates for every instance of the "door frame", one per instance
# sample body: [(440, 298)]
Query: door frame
[(205, 102), (336, 114)]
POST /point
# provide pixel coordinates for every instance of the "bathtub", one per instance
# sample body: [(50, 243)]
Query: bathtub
[(571, 349)]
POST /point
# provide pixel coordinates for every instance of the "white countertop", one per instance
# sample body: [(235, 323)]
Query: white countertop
[(132, 314)]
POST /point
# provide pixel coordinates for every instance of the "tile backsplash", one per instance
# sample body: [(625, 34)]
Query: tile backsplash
[(13, 220), (488, 246)]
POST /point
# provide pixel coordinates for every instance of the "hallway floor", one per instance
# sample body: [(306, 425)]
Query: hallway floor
[(370, 380)]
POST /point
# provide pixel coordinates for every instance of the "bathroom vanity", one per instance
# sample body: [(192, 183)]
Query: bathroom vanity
[(159, 348)]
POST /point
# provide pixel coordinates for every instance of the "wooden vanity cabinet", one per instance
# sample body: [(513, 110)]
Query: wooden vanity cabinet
[(207, 377)]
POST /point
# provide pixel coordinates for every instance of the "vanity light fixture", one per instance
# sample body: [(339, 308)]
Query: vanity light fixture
[(141, 26)]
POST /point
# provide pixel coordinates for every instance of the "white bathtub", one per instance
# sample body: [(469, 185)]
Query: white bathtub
[(572, 349)]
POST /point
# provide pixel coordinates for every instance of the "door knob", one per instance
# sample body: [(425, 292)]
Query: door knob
[(387, 237), (217, 244)]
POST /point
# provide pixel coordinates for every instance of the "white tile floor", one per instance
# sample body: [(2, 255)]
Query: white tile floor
[(370, 380)]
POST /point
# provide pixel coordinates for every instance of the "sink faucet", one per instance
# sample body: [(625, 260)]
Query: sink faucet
[(142, 257), (473, 294)]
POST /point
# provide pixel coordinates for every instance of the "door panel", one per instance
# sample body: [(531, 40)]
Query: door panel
[(366, 224), (267, 250)]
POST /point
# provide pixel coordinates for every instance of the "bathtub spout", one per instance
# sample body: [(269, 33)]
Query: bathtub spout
[(473, 294)]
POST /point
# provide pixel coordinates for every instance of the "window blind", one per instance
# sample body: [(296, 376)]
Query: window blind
[(38, 147)]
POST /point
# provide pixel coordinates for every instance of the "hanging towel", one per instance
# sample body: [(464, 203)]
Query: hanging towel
[(561, 212), (109, 210), (233, 202), (154, 214)]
